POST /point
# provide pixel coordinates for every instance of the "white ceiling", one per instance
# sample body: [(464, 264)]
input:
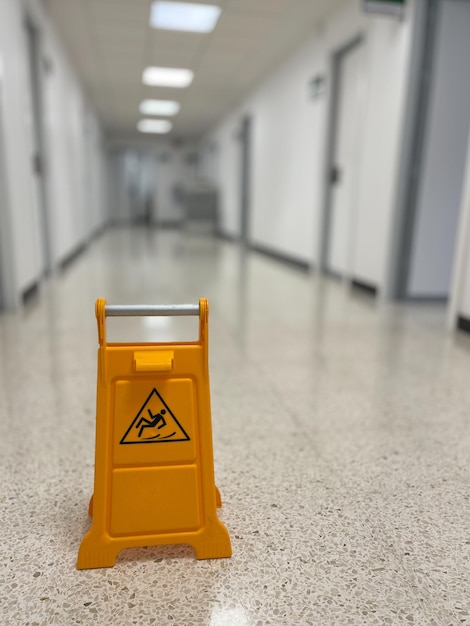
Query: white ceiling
[(110, 43)]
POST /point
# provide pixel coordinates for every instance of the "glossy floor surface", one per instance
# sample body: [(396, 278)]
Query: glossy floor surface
[(341, 444)]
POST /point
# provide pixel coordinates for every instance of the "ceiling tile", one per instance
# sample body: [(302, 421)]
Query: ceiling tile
[(168, 39), (241, 25), (170, 58), (260, 6), (131, 10)]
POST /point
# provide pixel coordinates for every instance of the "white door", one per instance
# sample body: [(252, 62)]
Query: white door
[(39, 196), (345, 161)]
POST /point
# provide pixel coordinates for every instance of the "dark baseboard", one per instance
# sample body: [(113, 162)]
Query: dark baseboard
[(364, 287), (333, 275), (274, 255), (168, 224), (72, 256), (30, 294), (68, 260), (280, 257), (137, 224), (116, 224), (100, 231), (426, 299), (226, 236), (463, 323)]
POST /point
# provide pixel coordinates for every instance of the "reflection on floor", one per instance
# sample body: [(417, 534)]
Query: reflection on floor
[(341, 439)]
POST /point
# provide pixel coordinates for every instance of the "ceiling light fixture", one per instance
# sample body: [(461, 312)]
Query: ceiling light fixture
[(154, 126), (167, 77), (196, 18), (159, 107)]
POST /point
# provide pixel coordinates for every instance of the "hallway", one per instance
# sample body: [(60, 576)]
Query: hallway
[(340, 440)]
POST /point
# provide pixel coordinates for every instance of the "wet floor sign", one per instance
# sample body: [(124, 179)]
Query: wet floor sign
[(154, 471)]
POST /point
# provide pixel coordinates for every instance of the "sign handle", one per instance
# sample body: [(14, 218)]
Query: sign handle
[(164, 310), (104, 310)]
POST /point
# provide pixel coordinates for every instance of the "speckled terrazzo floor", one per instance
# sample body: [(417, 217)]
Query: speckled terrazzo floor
[(341, 441)]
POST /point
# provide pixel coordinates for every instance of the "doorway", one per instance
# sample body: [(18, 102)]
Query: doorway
[(342, 161), (245, 179), (39, 162)]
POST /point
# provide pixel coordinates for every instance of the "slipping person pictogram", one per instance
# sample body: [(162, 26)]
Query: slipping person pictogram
[(154, 423), (154, 420)]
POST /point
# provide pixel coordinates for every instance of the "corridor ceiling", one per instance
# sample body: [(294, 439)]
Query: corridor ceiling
[(110, 43)]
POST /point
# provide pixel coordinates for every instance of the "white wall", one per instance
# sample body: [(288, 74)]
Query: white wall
[(439, 195), (76, 152), (220, 163), (73, 137), (289, 144), (96, 157)]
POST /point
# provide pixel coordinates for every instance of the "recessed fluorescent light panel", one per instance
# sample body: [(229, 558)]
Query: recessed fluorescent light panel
[(167, 77), (159, 107), (195, 18), (154, 126)]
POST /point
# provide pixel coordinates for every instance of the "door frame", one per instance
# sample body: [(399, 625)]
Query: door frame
[(331, 137), (246, 141)]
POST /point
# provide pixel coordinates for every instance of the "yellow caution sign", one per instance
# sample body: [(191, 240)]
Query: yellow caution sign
[(154, 471)]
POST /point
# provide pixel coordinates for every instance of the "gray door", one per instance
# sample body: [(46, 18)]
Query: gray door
[(444, 150)]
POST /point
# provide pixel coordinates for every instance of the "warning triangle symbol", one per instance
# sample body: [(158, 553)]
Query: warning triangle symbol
[(154, 423)]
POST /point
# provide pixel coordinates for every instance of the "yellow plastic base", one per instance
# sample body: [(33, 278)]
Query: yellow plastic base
[(101, 551)]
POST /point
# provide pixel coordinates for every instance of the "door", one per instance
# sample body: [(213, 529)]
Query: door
[(344, 159), (443, 157), (39, 157)]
